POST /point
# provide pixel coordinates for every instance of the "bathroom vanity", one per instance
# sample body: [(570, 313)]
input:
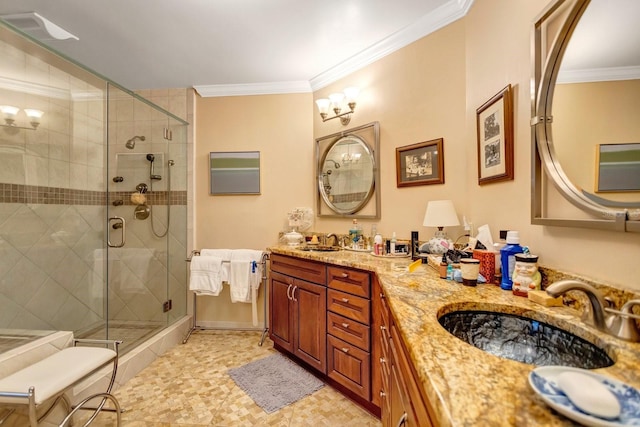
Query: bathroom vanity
[(376, 338)]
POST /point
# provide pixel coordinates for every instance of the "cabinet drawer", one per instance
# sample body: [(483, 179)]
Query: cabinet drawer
[(349, 366), (346, 329), (348, 305), (347, 280), (307, 270)]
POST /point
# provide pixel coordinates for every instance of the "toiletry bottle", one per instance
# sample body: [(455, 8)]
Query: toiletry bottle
[(360, 243), (508, 259), (450, 272), (353, 234), (443, 267), (378, 248), (392, 245), (414, 245)]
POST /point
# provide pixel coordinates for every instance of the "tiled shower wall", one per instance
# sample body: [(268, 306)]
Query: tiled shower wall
[(53, 203)]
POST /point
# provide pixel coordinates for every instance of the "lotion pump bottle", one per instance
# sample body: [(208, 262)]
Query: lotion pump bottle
[(508, 259)]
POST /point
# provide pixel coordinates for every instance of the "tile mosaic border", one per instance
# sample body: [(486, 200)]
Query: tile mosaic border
[(35, 194)]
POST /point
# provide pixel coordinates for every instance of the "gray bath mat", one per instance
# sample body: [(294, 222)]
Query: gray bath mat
[(274, 382)]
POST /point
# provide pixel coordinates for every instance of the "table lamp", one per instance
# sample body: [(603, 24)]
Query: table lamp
[(440, 213)]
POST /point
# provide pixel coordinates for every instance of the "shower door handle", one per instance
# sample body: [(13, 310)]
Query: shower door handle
[(115, 223)]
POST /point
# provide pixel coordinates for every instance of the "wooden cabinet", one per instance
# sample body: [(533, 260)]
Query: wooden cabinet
[(349, 320), (298, 309), (401, 399), (336, 320)]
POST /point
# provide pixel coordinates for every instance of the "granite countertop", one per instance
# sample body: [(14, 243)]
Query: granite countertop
[(467, 386)]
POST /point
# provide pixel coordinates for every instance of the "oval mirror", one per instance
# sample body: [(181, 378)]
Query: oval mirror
[(346, 178), (347, 173), (587, 92)]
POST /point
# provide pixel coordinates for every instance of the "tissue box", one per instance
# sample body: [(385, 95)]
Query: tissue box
[(487, 264)]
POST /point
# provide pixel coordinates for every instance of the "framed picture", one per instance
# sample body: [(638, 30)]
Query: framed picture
[(420, 164), (235, 172), (495, 138), (618, 167)]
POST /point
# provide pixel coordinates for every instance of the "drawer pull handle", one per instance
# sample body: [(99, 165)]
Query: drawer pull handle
[(345, 275), (345, 325), (345, 349), (345, 300)]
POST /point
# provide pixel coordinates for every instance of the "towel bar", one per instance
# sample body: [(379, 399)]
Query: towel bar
[(194, 327)]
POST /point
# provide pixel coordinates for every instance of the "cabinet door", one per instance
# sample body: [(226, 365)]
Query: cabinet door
[(310, 320), (281, 325)]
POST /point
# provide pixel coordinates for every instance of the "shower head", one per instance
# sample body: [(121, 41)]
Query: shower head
[(130, 144), (151, 157)]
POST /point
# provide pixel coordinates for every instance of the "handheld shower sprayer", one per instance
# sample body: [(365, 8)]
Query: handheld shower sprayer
[(152, 176), (130, 144)]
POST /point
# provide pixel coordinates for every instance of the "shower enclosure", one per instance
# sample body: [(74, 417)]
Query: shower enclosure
[(93, 209)]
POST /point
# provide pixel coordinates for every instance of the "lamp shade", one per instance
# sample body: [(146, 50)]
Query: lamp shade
[(440, 213)]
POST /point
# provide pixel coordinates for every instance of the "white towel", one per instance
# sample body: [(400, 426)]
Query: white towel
[(224, 255), (206, 275), (244, 278)]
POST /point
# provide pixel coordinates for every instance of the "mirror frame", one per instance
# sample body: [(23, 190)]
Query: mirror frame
[(545, 164), (322, 147)]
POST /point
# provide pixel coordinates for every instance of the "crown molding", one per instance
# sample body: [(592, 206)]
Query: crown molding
[(246, 89), (439, 18), (599, 75)]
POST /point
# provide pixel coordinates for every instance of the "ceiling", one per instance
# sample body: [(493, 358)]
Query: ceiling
[(241, 45)]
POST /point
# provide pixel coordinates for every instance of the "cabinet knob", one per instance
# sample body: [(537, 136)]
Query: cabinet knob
[(382, 327), (345, 275), (383, 360), (382, 295), (345, 325), (382, 393), (345, 349), (345, 300)]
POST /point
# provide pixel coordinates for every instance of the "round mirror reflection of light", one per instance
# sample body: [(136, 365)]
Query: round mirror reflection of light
[(346, 175)]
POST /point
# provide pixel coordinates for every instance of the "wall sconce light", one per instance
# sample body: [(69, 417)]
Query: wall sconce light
[(335, 103), (10, 112)]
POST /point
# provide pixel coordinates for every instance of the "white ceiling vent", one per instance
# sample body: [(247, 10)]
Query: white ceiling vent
[(37, 26)]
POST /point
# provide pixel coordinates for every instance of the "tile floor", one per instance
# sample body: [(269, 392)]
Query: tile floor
[(189, 387)]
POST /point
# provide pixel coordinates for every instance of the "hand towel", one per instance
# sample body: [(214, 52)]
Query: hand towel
[(206, 275), (244, 278), (225, 255)]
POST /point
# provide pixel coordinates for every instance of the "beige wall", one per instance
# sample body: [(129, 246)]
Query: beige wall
[(429, 89), (279, 126), (613, 109)]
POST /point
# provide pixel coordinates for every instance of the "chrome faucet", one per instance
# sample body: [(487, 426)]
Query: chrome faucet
[(620, 324), (329, 236)]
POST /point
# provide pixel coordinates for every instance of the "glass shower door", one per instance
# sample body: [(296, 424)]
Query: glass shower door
[(137, 228)]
